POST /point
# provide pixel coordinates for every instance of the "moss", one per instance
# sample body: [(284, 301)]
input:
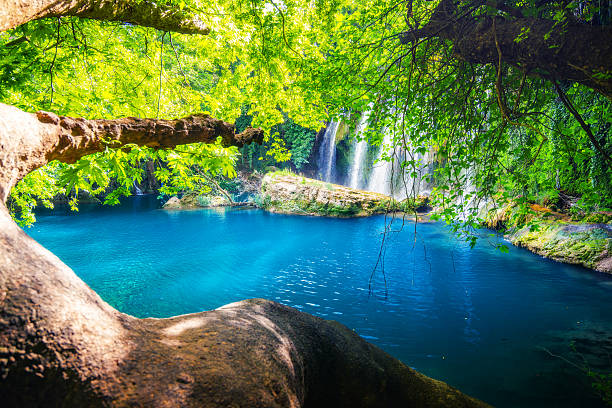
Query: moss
[(583, 244), (598, 218)]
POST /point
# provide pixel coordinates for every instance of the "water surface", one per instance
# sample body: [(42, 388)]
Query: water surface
[(481, 320)]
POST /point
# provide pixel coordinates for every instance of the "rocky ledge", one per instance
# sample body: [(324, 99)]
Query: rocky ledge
[(553, 235), (589, 245), (285, 192)]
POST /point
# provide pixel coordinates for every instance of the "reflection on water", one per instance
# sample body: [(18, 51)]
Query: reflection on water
[(483, 321)]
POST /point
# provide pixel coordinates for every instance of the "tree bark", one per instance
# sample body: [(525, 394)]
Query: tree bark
[(574, 51), (33, 140), (146, 13)]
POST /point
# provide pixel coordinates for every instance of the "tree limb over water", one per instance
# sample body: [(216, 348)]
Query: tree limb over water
[(146, 13), (32, 140)]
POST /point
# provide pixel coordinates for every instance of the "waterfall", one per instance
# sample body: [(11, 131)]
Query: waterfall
[(361, 149), (327, 153), (137, 190), (380, 181)]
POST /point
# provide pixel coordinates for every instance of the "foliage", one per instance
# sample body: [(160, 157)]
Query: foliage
[(289, 145), (111, 174), (497, 133)]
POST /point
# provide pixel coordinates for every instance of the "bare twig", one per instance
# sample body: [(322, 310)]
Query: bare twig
[(161, 71), (59, 24)]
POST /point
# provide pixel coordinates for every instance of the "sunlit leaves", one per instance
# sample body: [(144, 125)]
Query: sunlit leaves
[(301, 63)]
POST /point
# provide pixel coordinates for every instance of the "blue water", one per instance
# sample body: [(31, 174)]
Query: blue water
[(477, 319)]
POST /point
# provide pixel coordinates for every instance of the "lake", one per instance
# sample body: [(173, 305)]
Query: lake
[(481, 320)]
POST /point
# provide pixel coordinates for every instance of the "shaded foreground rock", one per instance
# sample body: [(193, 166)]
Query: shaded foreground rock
[(289, 193), (61, 345)]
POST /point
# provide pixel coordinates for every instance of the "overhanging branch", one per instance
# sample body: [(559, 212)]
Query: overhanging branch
[(570, 51), (13, 13), (29, 140), (78, 137)]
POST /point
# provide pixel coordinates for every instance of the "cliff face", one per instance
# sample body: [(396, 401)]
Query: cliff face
[(289, 193)]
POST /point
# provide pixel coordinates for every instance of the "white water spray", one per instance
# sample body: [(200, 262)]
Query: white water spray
[(327, 153), (361, 149), (380, 181)]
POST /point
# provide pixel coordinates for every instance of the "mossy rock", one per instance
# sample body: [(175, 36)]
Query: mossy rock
[(589, 245), (285, 192), (598, 218)]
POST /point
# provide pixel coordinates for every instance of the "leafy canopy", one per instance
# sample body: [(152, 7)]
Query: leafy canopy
[(497, 132)]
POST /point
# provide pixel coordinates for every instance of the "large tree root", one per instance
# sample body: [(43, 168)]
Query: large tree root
[(61, 345)]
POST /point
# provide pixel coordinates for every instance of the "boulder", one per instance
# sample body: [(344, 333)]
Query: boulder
[(172, 203), (289, 193), (192, 200)]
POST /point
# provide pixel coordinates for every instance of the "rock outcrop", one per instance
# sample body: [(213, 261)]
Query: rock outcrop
[(289, 193), (553, 235), (589, 245)]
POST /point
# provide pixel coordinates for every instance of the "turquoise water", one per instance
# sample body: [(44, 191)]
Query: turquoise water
[(477, 319)]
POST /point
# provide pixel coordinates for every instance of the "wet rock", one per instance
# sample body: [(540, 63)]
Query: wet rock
[(172, 203), (589, 245)]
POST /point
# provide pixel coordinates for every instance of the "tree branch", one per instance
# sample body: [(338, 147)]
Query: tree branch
[(572, 51), (29, 141), (14, 13), (570, 107)]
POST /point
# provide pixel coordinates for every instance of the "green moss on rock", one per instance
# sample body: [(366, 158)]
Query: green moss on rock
[(286, 192), (589, 245)]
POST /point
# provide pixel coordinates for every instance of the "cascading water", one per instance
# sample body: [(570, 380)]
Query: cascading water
[(327, 153), (361, 150), (137, 190), (409, 180), (380, 180)]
